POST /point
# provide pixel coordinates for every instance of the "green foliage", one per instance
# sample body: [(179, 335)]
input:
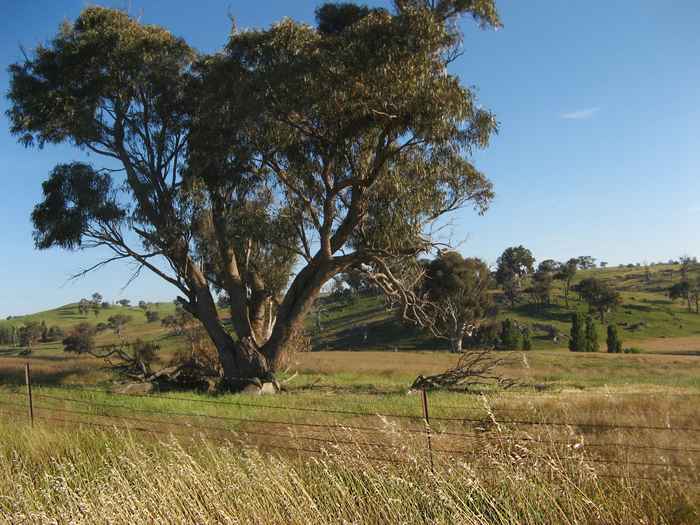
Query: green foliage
[(81, 339), (514, 264), (526, 342), (599, 295), (30, 333), (459, 288), (152, 316), (334, 18), (75, 197), (577, 339), (633, 350), (586, 262), (566, 272), (614, 342), (118, 321), (686, 289), (510, 336), (591, 344), (541, 289)]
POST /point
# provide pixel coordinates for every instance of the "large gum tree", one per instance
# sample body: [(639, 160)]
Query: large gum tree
[(296, 153)]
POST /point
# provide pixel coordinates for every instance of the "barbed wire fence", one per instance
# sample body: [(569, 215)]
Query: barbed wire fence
[(444, 438)]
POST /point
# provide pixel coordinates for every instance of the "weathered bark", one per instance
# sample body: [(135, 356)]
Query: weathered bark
[(255, 355), (296, 304), (239, 359)]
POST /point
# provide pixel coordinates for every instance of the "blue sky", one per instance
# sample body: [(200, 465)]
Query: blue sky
[(598, 152)]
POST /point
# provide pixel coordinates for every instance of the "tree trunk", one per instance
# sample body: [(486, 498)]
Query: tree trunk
[(296, 305), (239, 359)]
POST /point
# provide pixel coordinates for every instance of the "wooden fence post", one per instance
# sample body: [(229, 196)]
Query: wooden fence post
[(426, 417), (28, 381)]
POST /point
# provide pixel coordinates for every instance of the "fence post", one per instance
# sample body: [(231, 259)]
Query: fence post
[(28, 381), (426, 417)]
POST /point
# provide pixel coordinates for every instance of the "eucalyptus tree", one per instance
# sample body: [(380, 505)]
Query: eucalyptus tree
[(599, 295), (514, 264), (566, 273), (295, 154), (459, 288)]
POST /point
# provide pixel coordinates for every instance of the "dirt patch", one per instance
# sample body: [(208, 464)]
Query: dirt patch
[(671, 345)]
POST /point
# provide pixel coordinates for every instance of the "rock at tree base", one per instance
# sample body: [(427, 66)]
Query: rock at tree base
[(268, 389), (135, 388)]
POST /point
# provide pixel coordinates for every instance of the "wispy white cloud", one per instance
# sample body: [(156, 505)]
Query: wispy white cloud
[(580, 114)]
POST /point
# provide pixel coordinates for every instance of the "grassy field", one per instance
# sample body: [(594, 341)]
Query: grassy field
[(327, 453), (582, 438)]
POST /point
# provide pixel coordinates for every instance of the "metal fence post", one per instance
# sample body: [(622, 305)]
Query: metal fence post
[(28, 381), (426, 417)]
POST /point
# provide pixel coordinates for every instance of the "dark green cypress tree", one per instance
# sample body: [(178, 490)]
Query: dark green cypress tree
[(591, 336), (614, 341), (578, 334)]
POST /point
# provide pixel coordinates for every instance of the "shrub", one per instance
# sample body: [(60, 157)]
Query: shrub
[(633, 350), (510, 335), (81, 339), (152, 316)]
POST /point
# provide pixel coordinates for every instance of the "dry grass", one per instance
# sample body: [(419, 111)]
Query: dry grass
[(53, 476), (672, 345), (556, 369)]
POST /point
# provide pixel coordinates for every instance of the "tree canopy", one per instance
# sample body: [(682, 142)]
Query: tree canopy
[(459, 287), (512, 266), (599, 295), (295, 154)]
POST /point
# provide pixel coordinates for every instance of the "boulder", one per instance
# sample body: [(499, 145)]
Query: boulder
[(250, 389), (268, 389), (135, 388)]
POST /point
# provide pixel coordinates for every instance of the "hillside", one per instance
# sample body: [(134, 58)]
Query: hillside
[(647, 319)]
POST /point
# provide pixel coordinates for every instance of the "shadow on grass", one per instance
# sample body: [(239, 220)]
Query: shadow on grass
[(691, 353), (347, 317), (382, 334), (552, 312), (14, 376)]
